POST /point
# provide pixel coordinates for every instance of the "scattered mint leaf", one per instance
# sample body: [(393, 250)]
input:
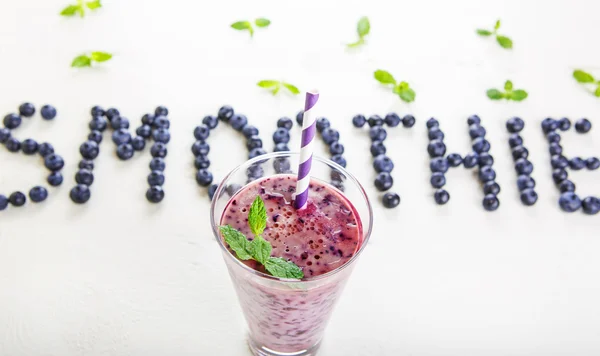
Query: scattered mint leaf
[(508, 85), (508, 94), (495, 94), (582, 77), (237, 241), (484, 32), (281, 268), (363, 27), (518, 95), (257, 217), (261, 249), (292, 89), (356, 44), (81, 61), (402, 89), (70, 10), (497, 25), (384, 77), (405, 92), (79, 8), (93, 5), (101, 56), (597, 92), (275, 90), (274, 86), (262, 22), (243, 25), (267, 83), (504, 41)]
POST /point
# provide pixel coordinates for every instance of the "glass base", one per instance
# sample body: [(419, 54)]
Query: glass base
[(260, 350)]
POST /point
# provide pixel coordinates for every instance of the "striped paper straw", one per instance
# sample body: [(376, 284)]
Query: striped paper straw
[(306, 150)]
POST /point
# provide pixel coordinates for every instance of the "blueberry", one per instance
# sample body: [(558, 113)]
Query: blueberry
[(519, 152), (85, 177), (336, 148), (55, 179), (558, 175), (339, 159), (156, 178), (392, 119), (225, 113), (232, 189), (569, 202), (155, 194), (210, 121), (581, 126), (3, 202), (286, 123), (161, 122), (555, 149), (377, 148), (29, 146), (480, 145), (391, 200), (38, 194), (89, 149), (515, 140), (255, 171), (281, 135), (201, 161), (330, 135), (529, 197), (54, 162), (525, 182), (98, 123), (238, 122), (375, 120), (377, 133), (249, 131), (4, 134), (408, 121), (549, 125), (592, 163), (158, 149), (48, 112), (470, 160), (95, 136), (435, 134), (144, 131), (383, 163), (254, 142), (515, 125), (12, 121), (162, 135), (112, 113), (45, 149), (148, 119), (564, 124), (17, 199), (211, 191), (477, 130), (439, 164), (491, 187), (523, 166), (485, 159), (486, 174), (322, 123), (121, 136), (119, 123), (256, 152), (553, 137), (86, 164), (432, 123), (591, 205), (437, 180), (441, 196), (80, 194), (201, 132), (204, 177), (200, 148), (384, 181), (157, 164), (577, 163), (281, 165), (566, 186), (281, 147), (359, 121), (436, 148), (161, 111), (138, 143), (559, 161), (96, 111), (490, 202), (299, 117), (125, 151), (454, 160), (473, 119), (27, 109)]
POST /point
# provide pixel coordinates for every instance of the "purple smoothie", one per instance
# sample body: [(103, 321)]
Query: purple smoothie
[(319, 239)]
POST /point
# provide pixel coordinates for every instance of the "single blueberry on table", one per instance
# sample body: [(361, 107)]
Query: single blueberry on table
[(4, 134), (95, 136), (515, 140), (27, 109), (558, 175), (201, 162), (84, 176), (375, 120), (210, 121), (471, 160), (3, 202), (86, 164), (281, 147), (54, 162), (432, 123), (525, 182), (233, 188), (383, 163), (408, 121), (569, 202), (162, 135), (566, 186), (200, 148), (155, 194), (322, 123), (553, 137), (559, 161), (29, 146), (454, 160), (490, 202), (285, 123), (592, 163), (112, 113), (359, 121), (377, 133), (577, 163), (439, 164), (138, 143), (98, 123), (339, 159), (17, 199), (161, 111), (158, 149), (119, 122), (256, 152), (255, 171), (281, 135), (254, 142), (144, 131), (200, 132), (121, 136), (12, 144), (249, 131), (519, 152), (156, 178), (477, 130), (487, 174), (96, 111), (441, 196), (281, 165), (204, 177), (384, 181), (549, 125), (12, 121), (212, 190), (38, 194), (473, 119), (555, 149), (515, 125), (89, 149), (591, 205), (390, 200), (48, 112), (436, 148), (528, 197), (55, 179), (523, 166), (564, 124), (238, 122), (392, 119), (485, 159), (161, 122), (148, 119), (583, 126), (437, 180), (330, 135), (377, 148), (491, 187), (299, 117), (435, 133), (336, 148), (480, 145), (157, 164), (125, 151), (225, 113)]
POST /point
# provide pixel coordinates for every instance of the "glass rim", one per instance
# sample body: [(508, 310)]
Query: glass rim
[(366, 229)]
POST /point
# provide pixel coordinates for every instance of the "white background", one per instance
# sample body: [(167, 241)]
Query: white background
[(120, 276)]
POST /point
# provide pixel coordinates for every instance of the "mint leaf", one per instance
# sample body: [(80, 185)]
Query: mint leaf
[(495, 94), (70, 10), (384, 77), (93, 5), (262, 22), (583, 77), (293, 89), (483, 32), (101, 56), (497, 25), (243, 25), (597, 92), (260, 249), (360, 41), (267, 83), (363, 27), (237, 241), (281, 268), (504, 41), (81, 61), (508, 85), (406, 93), (275, 90), (518, 95), (257, 216)]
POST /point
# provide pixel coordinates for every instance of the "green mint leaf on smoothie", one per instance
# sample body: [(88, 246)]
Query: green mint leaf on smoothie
[(237, 241), (362, 28), (281, 268), (260, 249), (257, 217), (502, 40), (262, 22)]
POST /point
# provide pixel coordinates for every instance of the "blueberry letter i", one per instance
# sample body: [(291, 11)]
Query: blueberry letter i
[(524, 167)]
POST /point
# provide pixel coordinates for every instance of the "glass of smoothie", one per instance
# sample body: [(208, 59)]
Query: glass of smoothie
[(289, 316)]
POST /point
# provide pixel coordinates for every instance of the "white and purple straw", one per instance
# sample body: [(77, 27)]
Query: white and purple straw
[(309, 130)]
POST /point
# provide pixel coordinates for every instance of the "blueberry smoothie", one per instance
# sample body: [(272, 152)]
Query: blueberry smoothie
[(291, 316)]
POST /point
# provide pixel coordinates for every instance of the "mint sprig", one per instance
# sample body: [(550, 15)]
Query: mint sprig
[(259, 249), (275, 85), (85, 60), (503, 41), (588, 80), (509, 93), (402, 89), (247, 25), (362, 28), (79, 8)]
